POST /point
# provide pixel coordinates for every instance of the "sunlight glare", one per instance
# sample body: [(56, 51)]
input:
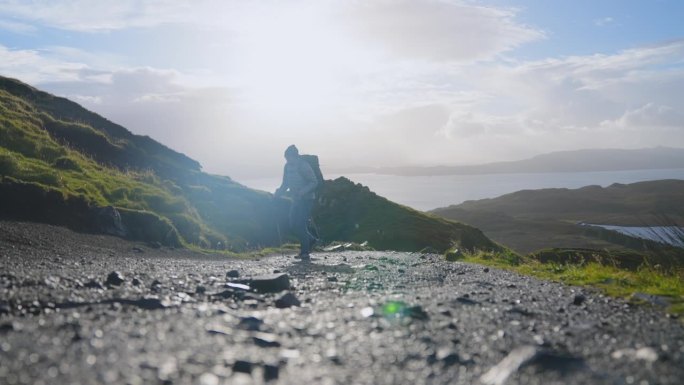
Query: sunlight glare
[(291, 64)]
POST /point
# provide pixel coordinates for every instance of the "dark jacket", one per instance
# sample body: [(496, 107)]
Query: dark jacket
[(299, 179)]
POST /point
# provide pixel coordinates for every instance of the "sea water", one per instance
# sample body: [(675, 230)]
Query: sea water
[(430, 192), (671, 235)]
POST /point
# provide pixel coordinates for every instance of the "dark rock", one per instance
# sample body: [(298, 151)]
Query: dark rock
[(200, 289), (114, 279), (230, 293), (287, 300), (250, 323), (147, 303), (466, 301), (548, 360), (93, 284), (520, 310), (108, 221), (417, 313), (332, 279), (271, 372), (6, 327), (4, 308), (136, 282), (233, 274), (486, 270), (579, 299), (271, 283), (156, 285), (265, 340), (242, 367), (448, 357)]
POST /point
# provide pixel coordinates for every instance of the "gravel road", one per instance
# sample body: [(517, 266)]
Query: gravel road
[(86, 309)]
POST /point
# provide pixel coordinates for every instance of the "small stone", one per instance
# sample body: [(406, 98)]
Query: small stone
[(417, 312), (200, 289), (233, 274), (287, 300), (242, 367), (466, 301), (6, 327), (646, 354), (271, 372), (93, 284), (136, 282), (486, 270), (271, 283), (367, 312), (239, 286), (208, 379), (114, 279), (148, 303), (332, 279), (250, 323), (579, 299), (265, 340)]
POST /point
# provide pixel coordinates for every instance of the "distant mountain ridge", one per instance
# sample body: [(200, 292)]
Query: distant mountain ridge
[(563, 161), (530, 220)]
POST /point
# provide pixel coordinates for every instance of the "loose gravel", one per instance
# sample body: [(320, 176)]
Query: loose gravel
[(84, 309)]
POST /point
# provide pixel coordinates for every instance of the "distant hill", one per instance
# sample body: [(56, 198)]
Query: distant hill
[(563, 161), (530, 220), (62, 164)]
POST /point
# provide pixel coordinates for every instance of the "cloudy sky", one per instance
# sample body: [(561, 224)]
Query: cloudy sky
[(373, 82)]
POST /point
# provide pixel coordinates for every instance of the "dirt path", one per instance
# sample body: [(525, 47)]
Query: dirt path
[(173, 316)]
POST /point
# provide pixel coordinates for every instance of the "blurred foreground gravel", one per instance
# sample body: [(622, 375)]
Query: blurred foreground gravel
[(86, 309)]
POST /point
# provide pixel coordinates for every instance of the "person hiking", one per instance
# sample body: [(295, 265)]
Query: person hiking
[(300, 183)]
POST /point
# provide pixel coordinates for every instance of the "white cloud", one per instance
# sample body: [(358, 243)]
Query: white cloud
[(96, 16), (437, 29), (422, 82), (35, 66), (647, 117), (16, 27)]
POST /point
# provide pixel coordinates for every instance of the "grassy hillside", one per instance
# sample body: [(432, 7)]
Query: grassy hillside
[(530, 220), (353, 212), (62, 164)]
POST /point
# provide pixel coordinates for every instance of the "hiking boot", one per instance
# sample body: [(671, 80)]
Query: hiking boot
[(304, 257)]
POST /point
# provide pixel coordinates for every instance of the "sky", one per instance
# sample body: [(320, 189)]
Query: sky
[(361, 83)]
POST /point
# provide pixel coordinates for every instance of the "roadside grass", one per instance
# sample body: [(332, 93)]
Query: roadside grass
[(612, 280)]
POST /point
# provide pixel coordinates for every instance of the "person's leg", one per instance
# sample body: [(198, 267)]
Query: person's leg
[(299, 215)]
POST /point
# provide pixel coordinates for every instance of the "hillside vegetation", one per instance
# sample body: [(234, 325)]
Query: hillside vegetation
[(62, 164), (531, 220)]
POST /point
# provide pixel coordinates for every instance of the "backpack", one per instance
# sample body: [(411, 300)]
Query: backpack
[(312, 160)]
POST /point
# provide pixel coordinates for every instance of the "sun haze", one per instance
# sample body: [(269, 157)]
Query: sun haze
[(388, 83)]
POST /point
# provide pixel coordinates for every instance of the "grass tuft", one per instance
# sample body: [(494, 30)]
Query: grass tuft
[(611, 279)]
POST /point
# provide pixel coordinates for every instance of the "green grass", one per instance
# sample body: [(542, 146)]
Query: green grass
[(610, 279)]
